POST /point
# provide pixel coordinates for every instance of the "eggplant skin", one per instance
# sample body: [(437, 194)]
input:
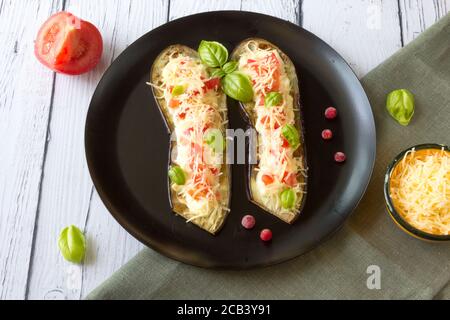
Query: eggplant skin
[(178, 206), (249, 110)]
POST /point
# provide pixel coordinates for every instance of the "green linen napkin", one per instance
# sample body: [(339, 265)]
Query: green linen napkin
[(410, 268)]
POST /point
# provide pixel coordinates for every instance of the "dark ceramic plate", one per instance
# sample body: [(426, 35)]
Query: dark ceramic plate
[(127, 146)]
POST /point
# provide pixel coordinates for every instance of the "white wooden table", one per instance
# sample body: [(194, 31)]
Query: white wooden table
[(44, 181)]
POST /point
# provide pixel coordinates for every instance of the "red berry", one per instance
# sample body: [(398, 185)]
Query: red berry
[(340, 157), (248, 222), (331, 113), (266, 235), (327, 134)]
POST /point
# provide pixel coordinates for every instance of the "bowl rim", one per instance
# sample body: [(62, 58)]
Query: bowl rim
[(389, 203)]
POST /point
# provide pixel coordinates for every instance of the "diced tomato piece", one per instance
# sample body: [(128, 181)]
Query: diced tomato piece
[(212, 84), (285, 143), (267, 179), (251, 61), (214, 171), (264, 119), (290, 179), (196, 149), (262, 101), (199, 193), (206, 127), (182, 115), (189, 131), (276, 125), (174, 103)]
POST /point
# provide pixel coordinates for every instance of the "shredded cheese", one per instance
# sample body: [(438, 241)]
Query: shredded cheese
[(420, 190), (267, 72), (199, 108)]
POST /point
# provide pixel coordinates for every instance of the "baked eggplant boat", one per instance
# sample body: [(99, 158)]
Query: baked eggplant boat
[(194, 109), (277, 183)]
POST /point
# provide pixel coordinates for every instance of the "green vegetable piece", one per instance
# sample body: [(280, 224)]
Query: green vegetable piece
[(218, 73), (213, 54), (238, 86), (72, 244), (400, 105), (214, 138), (176, 175), (288, 198), (273, 99), (290, 133), (178, 90), (230, 67)]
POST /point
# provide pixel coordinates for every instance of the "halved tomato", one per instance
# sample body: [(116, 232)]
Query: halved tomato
[(69, 45)]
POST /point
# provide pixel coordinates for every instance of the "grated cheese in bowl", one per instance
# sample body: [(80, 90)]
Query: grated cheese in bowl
[(419, 189)]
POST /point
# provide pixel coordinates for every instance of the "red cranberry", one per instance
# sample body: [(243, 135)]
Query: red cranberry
[(248, 222), (340, 157), (331, 113), (327, 134), (266, 235)]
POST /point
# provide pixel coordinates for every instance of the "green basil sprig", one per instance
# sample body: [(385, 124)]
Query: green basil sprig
[(288, 199), (72, 244), (178, 90), (290, 133), (234, 83), (213, 54), (218, 73), (400, 105), (230, 67), (238, 86), (214, 138), (273, 99), (176, 175)]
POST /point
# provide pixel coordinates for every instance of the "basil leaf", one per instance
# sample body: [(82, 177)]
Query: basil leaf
[(178, 90), (218, 73), (176, 175), (290, 133), (288, 198), (238, 86), (214, 138), (212, 53), (400, 105), (273, 99), (72, 244), (230, 67)]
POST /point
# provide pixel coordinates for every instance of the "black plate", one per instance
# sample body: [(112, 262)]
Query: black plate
[(127, 146)]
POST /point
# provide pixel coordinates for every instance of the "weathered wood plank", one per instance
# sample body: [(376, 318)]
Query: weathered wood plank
[(181, 8), (364, 32), (418, 15), (25, 104), (285, 9), (67, 191)]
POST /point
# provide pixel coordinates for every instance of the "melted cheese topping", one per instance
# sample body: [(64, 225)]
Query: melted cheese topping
[(420, 190), (198, 110), (277, 163)]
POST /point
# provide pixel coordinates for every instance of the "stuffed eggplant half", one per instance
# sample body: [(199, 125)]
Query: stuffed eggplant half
[(194, 109), (277, 183)]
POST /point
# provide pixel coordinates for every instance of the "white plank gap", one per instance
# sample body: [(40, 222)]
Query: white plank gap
[(25, 100), (418, 15)]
